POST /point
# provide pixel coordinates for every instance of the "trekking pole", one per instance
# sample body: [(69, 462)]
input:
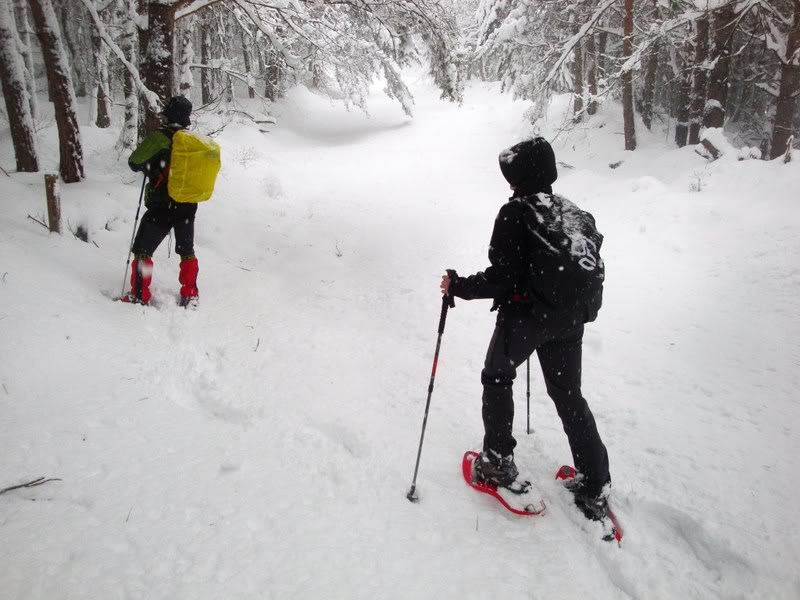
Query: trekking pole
[(528, 394), (133, 235), (447, 301)]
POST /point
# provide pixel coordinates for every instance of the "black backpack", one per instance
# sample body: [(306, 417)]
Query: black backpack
[(566, 272)]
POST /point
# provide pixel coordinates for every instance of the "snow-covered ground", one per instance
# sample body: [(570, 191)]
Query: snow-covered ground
[(262, 446)]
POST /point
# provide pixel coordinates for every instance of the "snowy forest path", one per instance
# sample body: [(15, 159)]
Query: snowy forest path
[(262, 446)]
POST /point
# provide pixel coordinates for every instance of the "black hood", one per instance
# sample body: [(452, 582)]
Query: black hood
[(529, 167), (178, 109)]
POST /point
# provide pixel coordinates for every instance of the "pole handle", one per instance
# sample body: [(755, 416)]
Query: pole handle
[(451, 300), (446, 301)]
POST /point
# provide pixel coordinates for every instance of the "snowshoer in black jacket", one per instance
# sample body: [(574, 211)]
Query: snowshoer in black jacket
[(528, 322)]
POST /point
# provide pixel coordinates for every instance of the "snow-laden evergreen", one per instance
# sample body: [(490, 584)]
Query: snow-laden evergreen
[(262, 446)]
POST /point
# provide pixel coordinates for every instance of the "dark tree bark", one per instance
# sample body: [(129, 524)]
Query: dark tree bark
[(68, 24), (103, 119), (591, 73), (717, 103), (789, 89), (205, 57), (58, 76), (577, 67), (627, 79), (248, 64), (272, 76), (103, 102), (602, 59), (130, 127), (649, 88), (577, 106), (157, 63), (698, 97), (682, 89), (17, 106), (21, 13), (187, 57)]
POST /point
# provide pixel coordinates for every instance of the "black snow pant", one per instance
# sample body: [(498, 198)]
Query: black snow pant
[(516, 337), (156, 224)]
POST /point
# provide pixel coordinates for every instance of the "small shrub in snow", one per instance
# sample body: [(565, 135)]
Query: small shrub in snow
[(247, 155), (698, 181)]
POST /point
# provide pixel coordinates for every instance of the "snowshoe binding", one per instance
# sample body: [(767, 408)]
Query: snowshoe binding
[(499, 471)]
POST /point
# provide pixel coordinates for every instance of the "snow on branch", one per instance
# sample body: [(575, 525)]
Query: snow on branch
[(224, 66), (567, 48), (291, 59), (776, 27), (186, 8), (149, 95)]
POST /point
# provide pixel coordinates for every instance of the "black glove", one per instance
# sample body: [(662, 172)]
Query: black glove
[(452, 276)]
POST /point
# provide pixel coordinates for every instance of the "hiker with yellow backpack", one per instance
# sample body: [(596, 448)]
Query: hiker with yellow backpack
[(180, 170)]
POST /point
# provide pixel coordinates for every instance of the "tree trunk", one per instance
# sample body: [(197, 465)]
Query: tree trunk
[(21, 10), (128, 133), (577, 66), (649, 89), (157, 64), (272, 76), (698, 97), (218, 34), (101, 72), (577, 106), (602, 43), (627, 79), (248, 65), (187, 57), (788, 91), (205, 57), (58, 75), (682, 117), (681, 93), (69, 43), (717, 104), (591, 73), (17, 105)]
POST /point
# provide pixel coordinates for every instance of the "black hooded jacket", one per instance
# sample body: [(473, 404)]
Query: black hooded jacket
[(530, 169)]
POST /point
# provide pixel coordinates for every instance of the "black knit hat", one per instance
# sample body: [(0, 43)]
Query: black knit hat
[(178, 110), (530, 166)]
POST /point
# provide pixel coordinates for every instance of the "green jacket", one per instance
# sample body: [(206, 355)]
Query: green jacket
[(152, 156)]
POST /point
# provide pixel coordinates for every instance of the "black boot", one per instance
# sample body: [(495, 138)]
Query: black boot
[(493, 469), (594, 505)]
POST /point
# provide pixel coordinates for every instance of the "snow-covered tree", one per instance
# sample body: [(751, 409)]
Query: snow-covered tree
[(627, 78), (779, 23), (698, 62), (60, 82), (26, 49), (18, 107)]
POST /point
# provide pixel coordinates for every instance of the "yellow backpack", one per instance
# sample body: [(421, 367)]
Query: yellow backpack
[(194, 165)]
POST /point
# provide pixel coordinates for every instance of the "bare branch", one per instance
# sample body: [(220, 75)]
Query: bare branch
[(30, 484), (35, 220)]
